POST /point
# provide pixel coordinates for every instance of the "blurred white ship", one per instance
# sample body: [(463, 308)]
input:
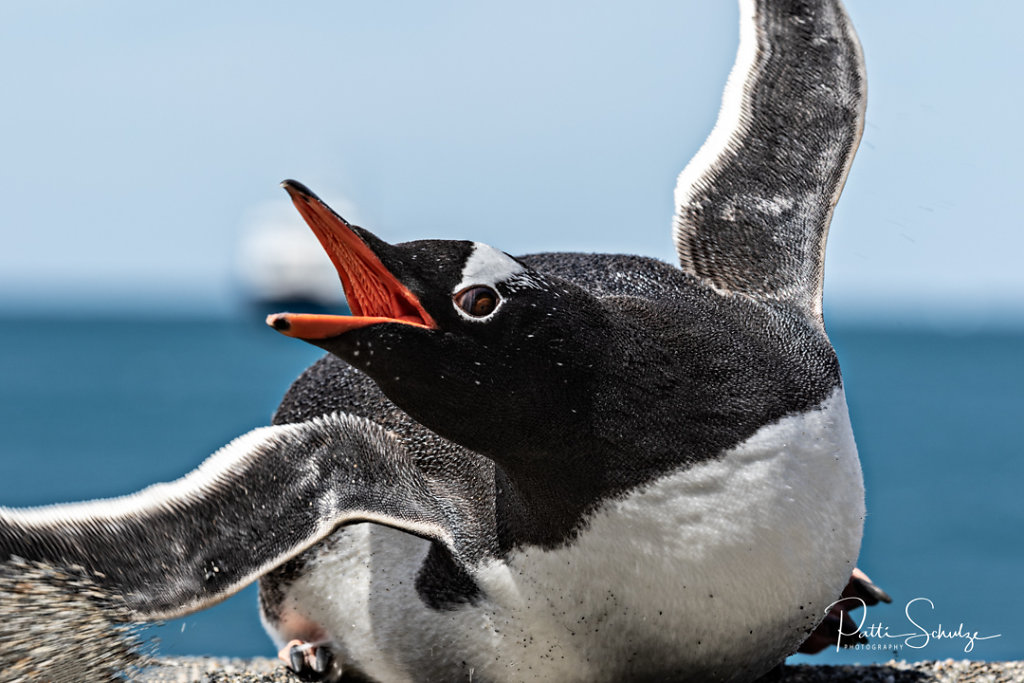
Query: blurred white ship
[(282, 267)]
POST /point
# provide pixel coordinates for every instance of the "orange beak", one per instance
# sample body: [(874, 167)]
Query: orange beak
[(373, 293)]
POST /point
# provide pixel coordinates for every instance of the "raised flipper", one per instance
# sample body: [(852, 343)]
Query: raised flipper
[(176, 548), (754, 205)]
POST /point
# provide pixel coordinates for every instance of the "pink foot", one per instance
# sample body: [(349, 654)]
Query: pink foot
[(837, 623), (309, 661)]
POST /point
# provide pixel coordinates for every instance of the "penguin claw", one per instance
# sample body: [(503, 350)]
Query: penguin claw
[(323, 660), (862, 587), (308, 661), (296, 659)]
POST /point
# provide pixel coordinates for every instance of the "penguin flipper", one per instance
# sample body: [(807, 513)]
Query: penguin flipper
[(176, 548), (754, 204)]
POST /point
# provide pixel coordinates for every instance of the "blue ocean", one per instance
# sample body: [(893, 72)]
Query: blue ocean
[(99, 406)]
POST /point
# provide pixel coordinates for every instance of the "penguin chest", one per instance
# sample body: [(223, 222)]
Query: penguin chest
[(715, 572)]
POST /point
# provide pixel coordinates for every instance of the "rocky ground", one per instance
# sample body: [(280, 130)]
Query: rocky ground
[(209, 670)]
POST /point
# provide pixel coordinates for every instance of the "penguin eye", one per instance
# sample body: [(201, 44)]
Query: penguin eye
[(477, 301)]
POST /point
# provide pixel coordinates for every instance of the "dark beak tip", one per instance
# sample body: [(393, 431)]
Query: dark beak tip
[(297, 189), (279, 321)]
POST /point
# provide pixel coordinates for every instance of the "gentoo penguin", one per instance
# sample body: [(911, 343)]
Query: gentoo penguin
[(649, 469), (551, 467)]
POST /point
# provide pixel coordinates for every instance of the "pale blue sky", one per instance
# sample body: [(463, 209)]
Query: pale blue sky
[(137, 140)]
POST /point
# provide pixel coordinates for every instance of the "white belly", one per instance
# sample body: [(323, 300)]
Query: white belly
[(714, 573)]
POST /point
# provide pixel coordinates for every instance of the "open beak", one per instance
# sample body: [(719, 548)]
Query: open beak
[(373, 293)]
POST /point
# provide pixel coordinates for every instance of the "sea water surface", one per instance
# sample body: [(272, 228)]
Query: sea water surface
[(99, 406)]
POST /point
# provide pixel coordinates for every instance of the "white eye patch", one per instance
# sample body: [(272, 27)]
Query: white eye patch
[(487, 266)]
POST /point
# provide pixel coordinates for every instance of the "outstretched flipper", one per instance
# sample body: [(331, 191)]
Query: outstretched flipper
[(176, 548), (754, 205)]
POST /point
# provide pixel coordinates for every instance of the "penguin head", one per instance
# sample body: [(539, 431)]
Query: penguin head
[(466, 339)]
